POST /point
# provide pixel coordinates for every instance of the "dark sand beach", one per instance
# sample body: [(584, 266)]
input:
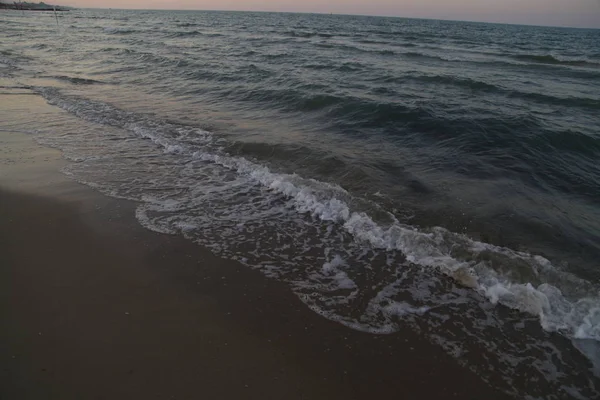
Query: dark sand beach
[(93, 306)]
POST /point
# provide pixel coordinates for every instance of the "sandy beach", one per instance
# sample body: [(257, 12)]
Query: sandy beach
[(94, 306)]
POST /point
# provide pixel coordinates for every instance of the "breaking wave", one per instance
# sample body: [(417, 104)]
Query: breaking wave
[(321, 239)]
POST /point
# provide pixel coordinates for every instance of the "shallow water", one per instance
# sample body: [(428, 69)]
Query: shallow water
[(391, 171)]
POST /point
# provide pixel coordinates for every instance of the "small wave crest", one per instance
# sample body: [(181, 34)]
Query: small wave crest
[(76, 80), (479, 85), (110, 30), (550, 59), (193, 33), (308, 34)]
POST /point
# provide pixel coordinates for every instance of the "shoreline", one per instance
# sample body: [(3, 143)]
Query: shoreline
[(28, 9), (95, 304)]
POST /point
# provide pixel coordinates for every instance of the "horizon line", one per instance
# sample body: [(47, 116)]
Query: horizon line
[(338, 14)]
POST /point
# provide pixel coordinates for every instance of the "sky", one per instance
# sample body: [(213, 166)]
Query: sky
[(577, 13)]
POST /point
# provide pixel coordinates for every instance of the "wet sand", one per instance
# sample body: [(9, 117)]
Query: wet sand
[(93, 306)]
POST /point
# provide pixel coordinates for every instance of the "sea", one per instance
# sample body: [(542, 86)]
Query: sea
[(394, 173)]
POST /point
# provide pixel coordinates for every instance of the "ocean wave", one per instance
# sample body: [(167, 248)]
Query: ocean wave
[(75, 80), (110, 30), (466, 83), (351, 48), (472, 84), (549, 59), (354, 110), (510, 62), (276, 56), (425, 247), (143, 58), (40, 46), (193, 33), (186, 24), (117, 50), (307, 34), (582, 102), (341, 67), (326, 244), (184, 34)]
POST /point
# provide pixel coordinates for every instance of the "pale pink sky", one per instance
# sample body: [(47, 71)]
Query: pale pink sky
[(583, 13)]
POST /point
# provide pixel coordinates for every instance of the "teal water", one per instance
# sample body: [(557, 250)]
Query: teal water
[(441, 175)]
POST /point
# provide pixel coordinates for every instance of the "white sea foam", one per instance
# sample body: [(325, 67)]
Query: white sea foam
[(400, 309), (433, 248), (333, 270)]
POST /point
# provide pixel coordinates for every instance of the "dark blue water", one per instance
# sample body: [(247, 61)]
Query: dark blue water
[(440, 175)]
